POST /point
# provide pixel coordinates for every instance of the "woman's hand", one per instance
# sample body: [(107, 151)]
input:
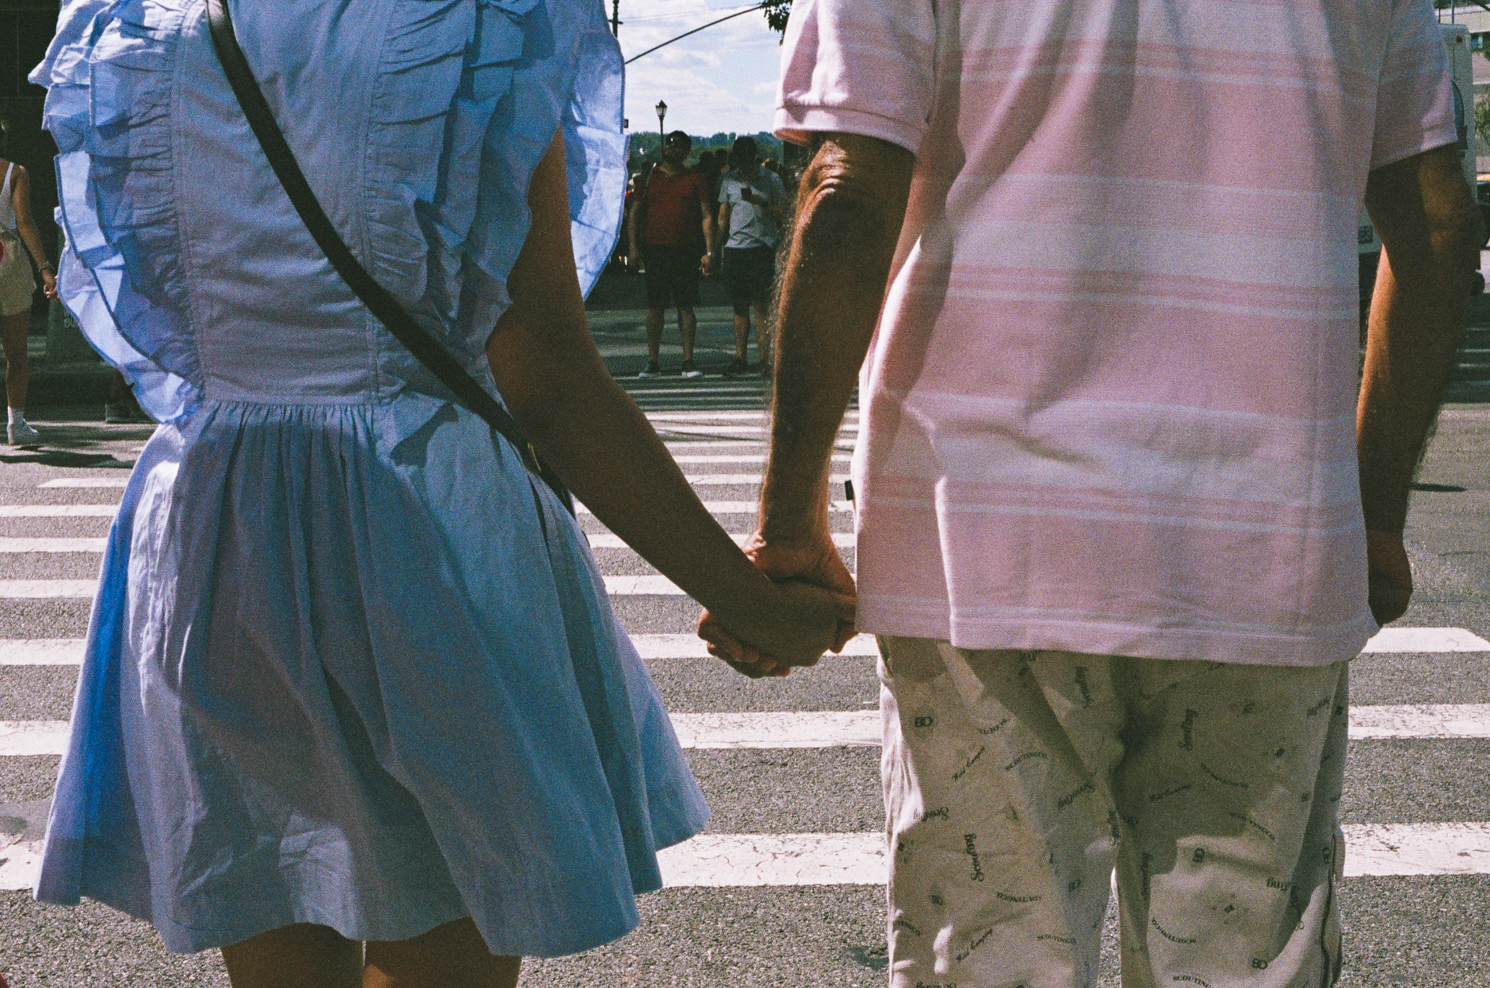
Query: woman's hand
[(802, 623), (49, 284)]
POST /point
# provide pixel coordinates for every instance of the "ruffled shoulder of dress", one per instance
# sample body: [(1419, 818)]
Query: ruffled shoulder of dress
[(108, 77), (446, 230)]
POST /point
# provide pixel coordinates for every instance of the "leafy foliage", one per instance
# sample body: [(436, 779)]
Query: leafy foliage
[(1482, 118), (777, 12)]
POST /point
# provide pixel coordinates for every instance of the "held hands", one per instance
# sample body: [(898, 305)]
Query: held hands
[(49, 284), (1389, 576), (811, 565)]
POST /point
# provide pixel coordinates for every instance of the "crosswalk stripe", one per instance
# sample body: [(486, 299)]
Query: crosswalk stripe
[(608, 540), (89, 482), (736, 507), (1426, 640), (20, 738), (862, 728), (758, 860), (616, 586), (737, 860), (690, 458), (762, 415), (717, 479), (41, 589), (59, 510), (12, 546), (69, 651), (41, 652)]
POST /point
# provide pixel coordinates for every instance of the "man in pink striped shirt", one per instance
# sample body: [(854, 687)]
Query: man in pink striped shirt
[(1124, 510)]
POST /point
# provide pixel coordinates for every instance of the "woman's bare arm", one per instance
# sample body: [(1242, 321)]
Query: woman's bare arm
[(20, 200), (593, 435)]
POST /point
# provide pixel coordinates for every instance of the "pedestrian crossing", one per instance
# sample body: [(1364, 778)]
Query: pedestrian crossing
[(721, 449)]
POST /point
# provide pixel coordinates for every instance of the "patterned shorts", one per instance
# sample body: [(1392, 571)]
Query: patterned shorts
[(1017, 782)]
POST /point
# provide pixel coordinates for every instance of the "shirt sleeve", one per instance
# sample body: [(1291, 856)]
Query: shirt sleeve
[(858, 67), (1414, 97)]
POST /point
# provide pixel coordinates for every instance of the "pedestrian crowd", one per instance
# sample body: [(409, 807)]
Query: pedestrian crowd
[(723, 214), (354, 707)]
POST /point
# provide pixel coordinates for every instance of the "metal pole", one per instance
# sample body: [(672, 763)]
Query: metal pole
[(615, 18)]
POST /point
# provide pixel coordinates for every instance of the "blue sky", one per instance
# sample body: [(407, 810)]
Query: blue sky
[(721, 79)]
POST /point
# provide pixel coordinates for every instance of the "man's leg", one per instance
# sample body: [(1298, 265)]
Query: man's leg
[(687, 329), (763, 337), (654, 334), (742, 331), (999, 814), (1231, 855)]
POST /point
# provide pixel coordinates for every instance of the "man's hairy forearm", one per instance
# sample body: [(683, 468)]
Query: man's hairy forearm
[(853, 199), (1432, 232)]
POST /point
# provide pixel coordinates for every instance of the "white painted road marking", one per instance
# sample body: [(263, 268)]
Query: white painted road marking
[(1426, 640), (41, 651), (68, 651), (753, 860), (87, 482), (32, 737), (17, 545), (740, 458), (58, 510), (719, 479), (608, 540), (42, 589), (736, 507), (860, 728)]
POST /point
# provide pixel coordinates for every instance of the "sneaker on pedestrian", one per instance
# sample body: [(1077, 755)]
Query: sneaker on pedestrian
[(654, 369), (738, 366), (690, 369), (20, 433)]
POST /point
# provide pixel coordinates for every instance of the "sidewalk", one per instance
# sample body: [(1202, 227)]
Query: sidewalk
[(617, 311)]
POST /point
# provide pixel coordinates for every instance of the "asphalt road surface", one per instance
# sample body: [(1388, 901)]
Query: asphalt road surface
[(736, 916)]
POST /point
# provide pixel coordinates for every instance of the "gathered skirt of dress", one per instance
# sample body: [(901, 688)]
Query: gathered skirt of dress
[(351, 665)]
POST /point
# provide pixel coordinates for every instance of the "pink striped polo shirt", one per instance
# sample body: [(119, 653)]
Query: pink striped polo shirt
[(1110, 404)]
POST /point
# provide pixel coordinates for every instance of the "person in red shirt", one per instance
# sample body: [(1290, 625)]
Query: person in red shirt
[(664, 227)]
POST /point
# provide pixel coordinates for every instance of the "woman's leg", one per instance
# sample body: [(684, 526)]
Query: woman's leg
[(449, 956), (13, 330), (300, 956)]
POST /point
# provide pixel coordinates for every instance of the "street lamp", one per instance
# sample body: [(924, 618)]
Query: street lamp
[(661, 114)]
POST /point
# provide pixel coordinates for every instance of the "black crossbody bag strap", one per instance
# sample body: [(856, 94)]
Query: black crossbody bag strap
[(379, 302)]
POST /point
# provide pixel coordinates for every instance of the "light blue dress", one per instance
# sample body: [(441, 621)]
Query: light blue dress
[(349, 664)]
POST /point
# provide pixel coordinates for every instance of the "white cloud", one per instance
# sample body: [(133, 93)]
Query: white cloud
[(721, 79)]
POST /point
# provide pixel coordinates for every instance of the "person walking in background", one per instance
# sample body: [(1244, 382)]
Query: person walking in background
[(752, 203), (671, 226), (1124, 509), (16, 288)]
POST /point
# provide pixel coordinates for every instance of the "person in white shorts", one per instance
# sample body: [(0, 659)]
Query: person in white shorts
[(16, 288), (1124, 509)]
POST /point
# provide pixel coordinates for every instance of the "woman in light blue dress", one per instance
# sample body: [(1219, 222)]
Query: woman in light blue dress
[(352, 674)]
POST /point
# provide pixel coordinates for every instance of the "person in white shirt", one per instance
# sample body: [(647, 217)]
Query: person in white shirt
[(16, 287), (752, 201)]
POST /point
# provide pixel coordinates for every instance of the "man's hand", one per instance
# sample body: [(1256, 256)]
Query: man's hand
[(1390, 576), (816, 562)]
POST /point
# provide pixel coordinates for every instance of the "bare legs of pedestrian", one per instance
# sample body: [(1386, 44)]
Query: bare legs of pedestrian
[(687, 331), (13, 331), (310, 956), (762, 333)]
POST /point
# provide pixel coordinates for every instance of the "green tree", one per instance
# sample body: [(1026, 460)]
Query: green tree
[(1482, 117), (777, 12)]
